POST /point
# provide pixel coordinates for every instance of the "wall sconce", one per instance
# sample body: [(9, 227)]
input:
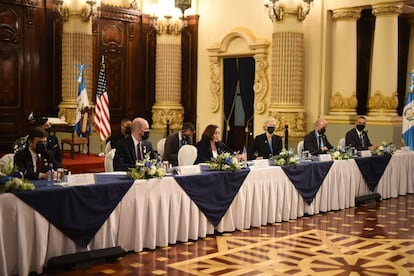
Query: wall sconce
[(169, 26), (276, 11), (85, 13)]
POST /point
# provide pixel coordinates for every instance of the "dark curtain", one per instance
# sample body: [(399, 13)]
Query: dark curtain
[(247, 75), (230, 82)]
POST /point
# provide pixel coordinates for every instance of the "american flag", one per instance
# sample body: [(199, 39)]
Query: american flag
[(102, 116)]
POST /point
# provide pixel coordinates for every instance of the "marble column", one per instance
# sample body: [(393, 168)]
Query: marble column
[(383, 100), (344, 62), (167, 107)]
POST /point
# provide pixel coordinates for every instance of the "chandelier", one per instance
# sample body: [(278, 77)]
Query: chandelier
[(277, 11), (167, 24)]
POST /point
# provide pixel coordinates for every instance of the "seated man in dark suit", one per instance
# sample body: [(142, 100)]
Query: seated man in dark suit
[(316, 141), (267, 144), (176, 140), (357, 137), (34, 160), (134, 147), (125, 130)]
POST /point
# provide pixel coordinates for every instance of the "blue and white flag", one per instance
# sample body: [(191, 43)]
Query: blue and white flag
[(408, 115), (82, 101)]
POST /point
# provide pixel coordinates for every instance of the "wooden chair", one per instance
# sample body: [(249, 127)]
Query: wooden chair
[(75, 139)]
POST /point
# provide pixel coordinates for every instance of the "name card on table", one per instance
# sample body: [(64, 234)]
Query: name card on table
[(261, 163), (189, 170), (365, 153), (325, 157), (79, 179), (405, 149)]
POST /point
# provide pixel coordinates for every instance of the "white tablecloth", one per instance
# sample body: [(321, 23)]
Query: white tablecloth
[(157, 212)]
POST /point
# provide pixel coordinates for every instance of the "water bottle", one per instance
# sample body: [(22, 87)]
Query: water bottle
[(50, 174), (244, 158)]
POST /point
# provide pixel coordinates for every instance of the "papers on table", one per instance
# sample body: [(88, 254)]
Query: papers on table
[(78, 180)]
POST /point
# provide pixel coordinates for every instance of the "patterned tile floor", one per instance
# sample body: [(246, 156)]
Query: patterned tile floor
[(374, 239)]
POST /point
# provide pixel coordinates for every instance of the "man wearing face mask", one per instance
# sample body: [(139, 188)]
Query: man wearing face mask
[(34, 159), (176, 140), (133, 147), (357, 137), (125, 131), (316, 141), (267, 144)]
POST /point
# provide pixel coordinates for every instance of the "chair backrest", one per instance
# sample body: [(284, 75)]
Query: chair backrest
[(300, 147), (341, 143), (6, 159), (108, 147), (109, 157), (187, 155), (160, 147)]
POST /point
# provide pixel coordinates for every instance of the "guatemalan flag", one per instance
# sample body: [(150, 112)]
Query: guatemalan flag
[(83, 101), (408, 115)]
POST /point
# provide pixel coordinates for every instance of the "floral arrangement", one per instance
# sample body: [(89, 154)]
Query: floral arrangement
[(340, 154), (286, 157), (146, 169), (384, 148), (224, 162), (11, 180)]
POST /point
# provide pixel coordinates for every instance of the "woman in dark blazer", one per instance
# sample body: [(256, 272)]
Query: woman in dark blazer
[(209, 146), (267, 144)]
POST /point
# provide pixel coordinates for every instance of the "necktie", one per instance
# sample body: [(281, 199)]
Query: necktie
[(361, 136), (38, 163), (270, 147), (139, 153), (320, 142)]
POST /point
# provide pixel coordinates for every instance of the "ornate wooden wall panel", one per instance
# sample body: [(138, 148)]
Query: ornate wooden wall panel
[(26, 67)]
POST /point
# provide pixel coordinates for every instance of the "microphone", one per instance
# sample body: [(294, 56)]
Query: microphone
[(225, 147)]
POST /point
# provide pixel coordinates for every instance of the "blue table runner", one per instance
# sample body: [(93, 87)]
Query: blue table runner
[(213, 191), (372, 169), (308, 177), (78, 211)]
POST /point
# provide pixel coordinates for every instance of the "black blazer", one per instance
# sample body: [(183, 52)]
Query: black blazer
[(204, 152), (352, 139), (126, 156), (24, 162), (171, 149), (260, 146), (312, 144)]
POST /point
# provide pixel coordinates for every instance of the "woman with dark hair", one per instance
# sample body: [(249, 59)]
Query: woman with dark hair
[(209, 146)]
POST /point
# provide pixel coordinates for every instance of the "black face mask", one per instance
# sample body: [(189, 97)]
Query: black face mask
[(186, 138), (40, 148), (48, 130), (270, 129), (322, 130), (127, 130), (146, 135), (360, 127)]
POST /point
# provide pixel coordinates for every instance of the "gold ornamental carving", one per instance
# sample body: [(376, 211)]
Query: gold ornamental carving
[(342, 14), (260, 85), (215, 84), (387, 9), (162, 115), (294, 120), (380, 103), (339, 102)]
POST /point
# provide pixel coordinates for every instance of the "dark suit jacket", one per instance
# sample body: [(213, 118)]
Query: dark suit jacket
[(115, 137), (171, 149), (352, 139), (204, 152), (52, 144), (24, 162), (126, 156), (260, 146), (312, 144)]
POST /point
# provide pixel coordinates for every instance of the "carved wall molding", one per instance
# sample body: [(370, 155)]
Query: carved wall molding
[(341, 14), (163, 114), (120, 13), (387, 9), (341, 103), (258, 48), (295, 121), (33, 3), (378, 104)]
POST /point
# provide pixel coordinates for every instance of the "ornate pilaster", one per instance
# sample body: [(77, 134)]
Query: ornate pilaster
[(76, 49), (344, 62), (383, 100), (286, 95), (167, 107)]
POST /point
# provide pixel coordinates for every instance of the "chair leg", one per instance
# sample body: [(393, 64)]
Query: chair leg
[(72, 151)]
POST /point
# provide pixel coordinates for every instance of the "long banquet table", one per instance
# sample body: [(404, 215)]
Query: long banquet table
[(157, 212)]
